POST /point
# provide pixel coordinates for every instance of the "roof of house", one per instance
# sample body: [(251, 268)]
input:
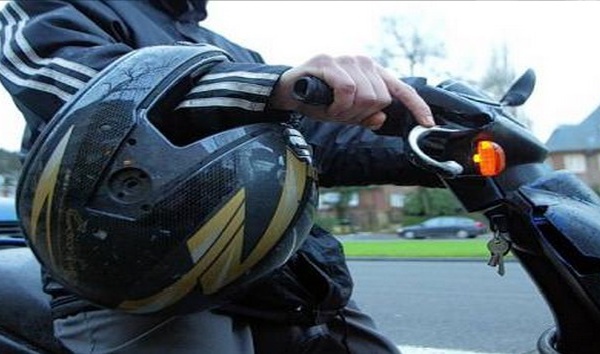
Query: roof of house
[(581, 137)]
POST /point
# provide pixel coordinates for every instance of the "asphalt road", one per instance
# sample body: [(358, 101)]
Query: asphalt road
[(460, 305)]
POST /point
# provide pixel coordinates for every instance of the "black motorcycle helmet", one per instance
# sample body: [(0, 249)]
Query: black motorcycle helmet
[(124, 216)]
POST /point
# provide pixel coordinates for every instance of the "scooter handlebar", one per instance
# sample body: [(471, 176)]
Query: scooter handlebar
[(314, 91)]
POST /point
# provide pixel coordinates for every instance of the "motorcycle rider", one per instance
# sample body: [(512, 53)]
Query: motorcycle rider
[(51, 49)]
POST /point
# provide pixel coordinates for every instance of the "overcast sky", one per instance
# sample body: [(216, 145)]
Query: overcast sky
[(558, 39)]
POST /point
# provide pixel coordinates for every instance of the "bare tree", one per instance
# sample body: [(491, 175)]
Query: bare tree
[(499, 74), (405, 42), (498, 78)]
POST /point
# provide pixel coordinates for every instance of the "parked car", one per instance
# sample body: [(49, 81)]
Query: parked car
[(444, 226)]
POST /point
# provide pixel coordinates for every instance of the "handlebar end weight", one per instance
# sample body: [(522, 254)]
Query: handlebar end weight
[(312, 90)]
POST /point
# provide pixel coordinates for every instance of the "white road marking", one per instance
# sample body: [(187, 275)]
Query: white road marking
[(420, 350)]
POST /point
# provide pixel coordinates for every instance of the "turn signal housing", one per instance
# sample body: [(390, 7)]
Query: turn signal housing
[(489, 158)]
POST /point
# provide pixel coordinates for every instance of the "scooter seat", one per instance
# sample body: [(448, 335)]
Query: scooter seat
[(25, 317)]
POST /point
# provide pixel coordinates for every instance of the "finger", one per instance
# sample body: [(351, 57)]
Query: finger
[(366, 100), (374, 121), (343, 85), (372, 94), (378, 86), (409, 97)]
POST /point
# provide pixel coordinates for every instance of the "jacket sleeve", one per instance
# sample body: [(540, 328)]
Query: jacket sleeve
[(353, 156), (52, 48), (49, 52)]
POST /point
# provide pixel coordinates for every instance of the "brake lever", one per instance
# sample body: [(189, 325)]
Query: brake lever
[(448, 169)]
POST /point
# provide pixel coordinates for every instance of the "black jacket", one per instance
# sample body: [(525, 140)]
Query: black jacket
[(51, 48)]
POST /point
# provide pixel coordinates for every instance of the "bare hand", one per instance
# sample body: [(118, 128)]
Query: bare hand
[(361, 88)]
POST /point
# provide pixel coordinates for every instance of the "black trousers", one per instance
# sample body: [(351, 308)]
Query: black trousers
[(107, 331)]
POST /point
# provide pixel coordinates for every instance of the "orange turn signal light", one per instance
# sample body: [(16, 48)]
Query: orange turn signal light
[(489, 158)]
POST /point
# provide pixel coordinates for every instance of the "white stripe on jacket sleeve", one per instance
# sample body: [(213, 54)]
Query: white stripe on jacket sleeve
[(232, 89), (27, 76)]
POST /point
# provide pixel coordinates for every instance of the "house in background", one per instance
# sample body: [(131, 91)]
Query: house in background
[(369, 208), (577, 148)]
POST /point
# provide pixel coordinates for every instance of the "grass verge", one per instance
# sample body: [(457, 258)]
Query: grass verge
[(418, 249)]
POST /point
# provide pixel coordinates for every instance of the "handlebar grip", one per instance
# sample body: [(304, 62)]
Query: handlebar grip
[(314, 91)]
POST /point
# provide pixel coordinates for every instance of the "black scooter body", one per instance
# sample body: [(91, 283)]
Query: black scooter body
[(551, 218), (554, 226)]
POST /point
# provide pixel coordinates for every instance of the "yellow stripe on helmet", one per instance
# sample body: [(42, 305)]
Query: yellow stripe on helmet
[(44, 193), (229, 266), (204, 247), (216, 248)]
